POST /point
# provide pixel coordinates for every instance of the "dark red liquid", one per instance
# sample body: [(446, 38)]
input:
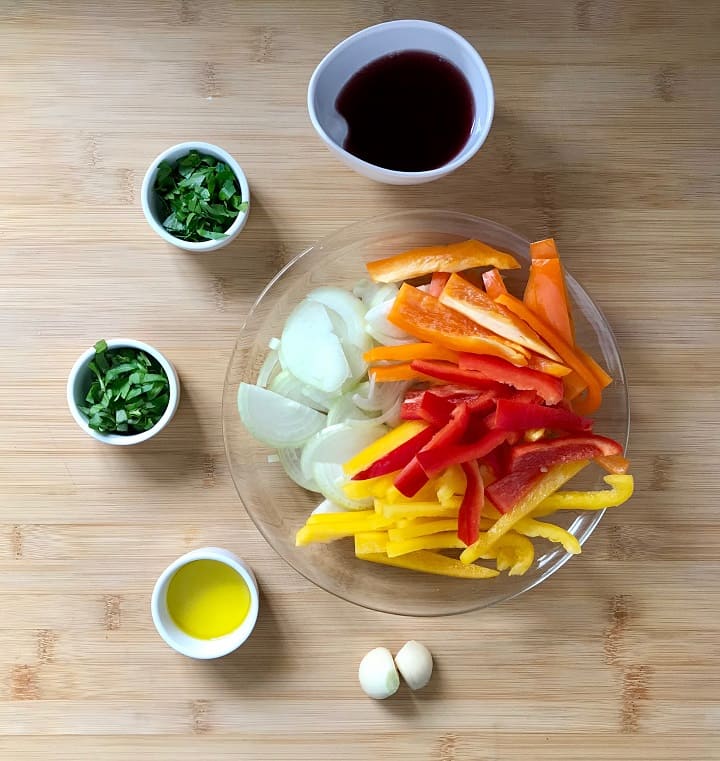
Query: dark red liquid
[(410, 111)]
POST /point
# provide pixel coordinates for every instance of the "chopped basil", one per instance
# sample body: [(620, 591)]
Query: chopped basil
[(129, 393), (199, 197)]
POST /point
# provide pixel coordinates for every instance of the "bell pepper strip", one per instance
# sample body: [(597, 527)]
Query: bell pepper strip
[(437, 283), (314, 532), (335, 519), (514, 553), (369, 487), (547, 366), (540, 489), (613, 463), (412, 477), (431, 562), (384, 445), (367, 542), (620, 491), (545, 454), (437, 459), (534, 434), (600, 375), (422, 528), (435, 410), (447, 540), (468, 523), (533, 528), (454, 257), (407, 352), (424, 317), (545, 292), (397, 458), (574, 385), (478, 402), (452, 480), (511, 415), (566, 352), (549, 388), (472, 302), (428, 493), (390, 373), (494, 283), (453, 374), (399, 510)]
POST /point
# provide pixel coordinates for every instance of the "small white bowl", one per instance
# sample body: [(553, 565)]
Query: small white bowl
[(149, 199), (79, 382), (203, 649), (355, 52)]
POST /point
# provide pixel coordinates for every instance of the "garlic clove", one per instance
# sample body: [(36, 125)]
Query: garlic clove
[(415, 663), (378, 675)]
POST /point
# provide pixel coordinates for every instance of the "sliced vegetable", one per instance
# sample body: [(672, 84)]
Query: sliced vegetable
[(545, 365), (276, 420), (383, 446), (326, 507), (511, 415), (443, 541), (547, 387), (367, 542), (329, 532), (545, 454), (436, 460), (451, 373), (407, 352), (331, 479), (468, 524), (337, 443), (422, 528), (613, 463), (287, 385), (290, 459), (350, 310), (478, 401), (534, 528), (399, 372), (620, 491), (437, 283), (464, 297), (494, 283), (432, 562), (424, 317), (454, 257), (398, 458)]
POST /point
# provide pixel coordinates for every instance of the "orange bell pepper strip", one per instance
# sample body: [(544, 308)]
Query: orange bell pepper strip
[(408, 352), (454, 257), (614, 463), (494, 283), (547, 366), (594, 393), (545, 292), (424, 317), (399, 372), (474, 303), (437, 283), (601, 376)]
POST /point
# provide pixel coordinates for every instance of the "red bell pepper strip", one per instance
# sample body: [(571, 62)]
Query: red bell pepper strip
[(494, 283), (477, 401), (546, 453), (435, 410), (412, 477), (472, 504), (438, 282), (440, 458), (521, 378), (507, 491), (453, 374), (511, 415), (397, 458)]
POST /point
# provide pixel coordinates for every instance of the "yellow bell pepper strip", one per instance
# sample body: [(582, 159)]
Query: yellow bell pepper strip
[(315, 532), (421, 528), (408, 352), (370, 487), (444, 541), (545, 292), (400, 510), (534, 528), (432, 562), (424, 317), (566, 352), (334, 519), (469, 300), (403, 371), (454, 257), (428, 493), (620, 491), (453, 478), (614, 463), (367, 542), (546, 485), (514, 553), (384, 445)]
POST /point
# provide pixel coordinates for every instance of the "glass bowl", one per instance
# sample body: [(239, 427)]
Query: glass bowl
[(279, 507)]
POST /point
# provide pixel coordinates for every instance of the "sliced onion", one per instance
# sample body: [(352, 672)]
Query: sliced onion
[(311, 350), (344, 410), (383, 292), (385, 340), (326, 506), (337, 444), (377, 321), (330, 478), (286, 384), (267, 369), (290, 460), (381, 396), (350, 311), (276, 420)]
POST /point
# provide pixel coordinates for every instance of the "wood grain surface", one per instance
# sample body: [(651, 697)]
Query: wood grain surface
[(605, 136)]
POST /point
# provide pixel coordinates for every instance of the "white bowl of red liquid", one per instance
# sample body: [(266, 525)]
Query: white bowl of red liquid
[(404, 102)]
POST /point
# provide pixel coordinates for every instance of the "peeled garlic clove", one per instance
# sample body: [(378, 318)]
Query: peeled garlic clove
[(415, 664), (378, 675)]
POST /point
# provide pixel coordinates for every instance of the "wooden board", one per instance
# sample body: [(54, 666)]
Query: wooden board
[(605, 136)]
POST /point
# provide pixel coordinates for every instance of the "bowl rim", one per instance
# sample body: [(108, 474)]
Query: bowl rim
[(118, 439), (474, 142), (176, 150), (325, 242)]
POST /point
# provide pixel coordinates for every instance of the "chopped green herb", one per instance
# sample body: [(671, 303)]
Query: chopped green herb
[(129, 393), (199, 197)]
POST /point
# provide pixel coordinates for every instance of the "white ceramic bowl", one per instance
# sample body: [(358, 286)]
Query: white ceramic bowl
[(148, 198), (203, 648), (81, 376), (355, 52)]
